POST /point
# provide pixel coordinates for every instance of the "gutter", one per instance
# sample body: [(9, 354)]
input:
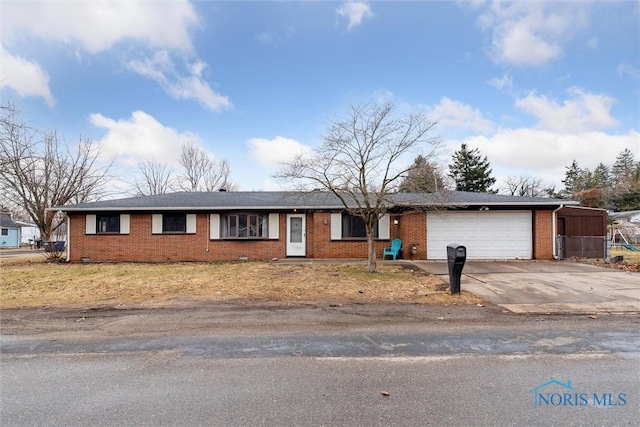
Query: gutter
[(206, 208)]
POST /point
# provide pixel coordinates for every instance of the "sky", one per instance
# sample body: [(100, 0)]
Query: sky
[(533, 85)]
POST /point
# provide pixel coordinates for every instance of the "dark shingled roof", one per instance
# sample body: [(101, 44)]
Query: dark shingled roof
[(7, 222), (274, 200)]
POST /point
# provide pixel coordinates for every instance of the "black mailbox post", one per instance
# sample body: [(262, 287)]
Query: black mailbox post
[(456, 256)]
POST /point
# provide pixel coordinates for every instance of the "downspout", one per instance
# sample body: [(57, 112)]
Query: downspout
[(68, 243), (208, 236), (554, 231)]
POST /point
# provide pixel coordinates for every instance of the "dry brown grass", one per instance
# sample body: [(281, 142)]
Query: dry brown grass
[(33, 282), (629, 256)]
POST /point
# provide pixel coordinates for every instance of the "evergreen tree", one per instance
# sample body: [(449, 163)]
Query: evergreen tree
[(601, 177), (596, 187), (470, 171), (573, 179), (626, 182), (623, 169), (423, 177), (616, 187)]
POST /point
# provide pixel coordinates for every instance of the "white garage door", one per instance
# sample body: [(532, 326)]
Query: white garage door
[(487, 235)]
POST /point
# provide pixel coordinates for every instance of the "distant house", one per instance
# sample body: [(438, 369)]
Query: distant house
[(29, 232), (626, 225), (9, 232), (226, 226)]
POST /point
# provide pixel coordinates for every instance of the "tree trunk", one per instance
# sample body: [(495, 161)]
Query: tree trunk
[(371, 249)]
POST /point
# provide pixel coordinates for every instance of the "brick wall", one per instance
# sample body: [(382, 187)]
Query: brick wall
[(319, 232), (411, 229), (141, 245), (543, 234)]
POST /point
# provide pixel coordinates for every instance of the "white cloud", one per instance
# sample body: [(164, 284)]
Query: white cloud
[(25, 77), (179, 85), (502, 83), (628, 70), (583, 112), (546, 154), (99, 25), (271, 152), (355, 12), (530, 33), (454, 114), (140, 137)]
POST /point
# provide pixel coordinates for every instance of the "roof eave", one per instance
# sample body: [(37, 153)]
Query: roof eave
[(288, 207), (189, 208)]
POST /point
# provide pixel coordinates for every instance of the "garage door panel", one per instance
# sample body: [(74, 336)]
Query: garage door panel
[(487, 235)]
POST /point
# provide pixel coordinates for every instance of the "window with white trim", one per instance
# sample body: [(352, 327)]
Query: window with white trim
[(173, 223), (244, 226), (108, 223), (353, 226), (345, 226)]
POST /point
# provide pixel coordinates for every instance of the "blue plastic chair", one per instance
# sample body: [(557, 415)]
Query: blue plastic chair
[(393, 250)]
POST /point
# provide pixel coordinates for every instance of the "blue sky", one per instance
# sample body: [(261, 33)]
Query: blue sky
[(532, 84)]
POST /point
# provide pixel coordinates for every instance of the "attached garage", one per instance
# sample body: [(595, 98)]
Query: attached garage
[(486, 234)]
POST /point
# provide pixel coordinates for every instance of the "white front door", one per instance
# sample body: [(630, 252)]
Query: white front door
[(296, 235)]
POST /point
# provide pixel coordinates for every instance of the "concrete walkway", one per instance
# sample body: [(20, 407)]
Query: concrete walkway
[(541, 287)]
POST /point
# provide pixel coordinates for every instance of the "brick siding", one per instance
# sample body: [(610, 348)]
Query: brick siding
[(543, 234), (142, 245)]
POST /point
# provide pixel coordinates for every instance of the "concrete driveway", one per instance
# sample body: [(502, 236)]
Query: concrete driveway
[(547, 286)]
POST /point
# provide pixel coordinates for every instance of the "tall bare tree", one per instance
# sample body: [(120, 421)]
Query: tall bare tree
[(38, 172), (524, 185), (201, 172), (154, 178), (361, 161)]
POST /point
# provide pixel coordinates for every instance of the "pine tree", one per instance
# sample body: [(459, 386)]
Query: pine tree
[(623, 169), (601, 177), (573, 179), (470, 171), (595, 187), (626, 182), (423, 177)]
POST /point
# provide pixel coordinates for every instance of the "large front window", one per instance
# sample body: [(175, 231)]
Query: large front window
[(354, 226), (245, 226), (108, 223)]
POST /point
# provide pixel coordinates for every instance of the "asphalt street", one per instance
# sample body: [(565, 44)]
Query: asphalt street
[(403, 375)]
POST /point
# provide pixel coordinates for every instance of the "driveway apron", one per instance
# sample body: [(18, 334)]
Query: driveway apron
[(547, 287)]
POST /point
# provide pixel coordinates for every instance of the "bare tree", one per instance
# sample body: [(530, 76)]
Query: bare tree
[(38, 172), (155, 178), (201, 171), (360, 161), (524, 186), (218, 178)]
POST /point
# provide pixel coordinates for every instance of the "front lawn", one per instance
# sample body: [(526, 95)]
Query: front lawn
[(34, 282)]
